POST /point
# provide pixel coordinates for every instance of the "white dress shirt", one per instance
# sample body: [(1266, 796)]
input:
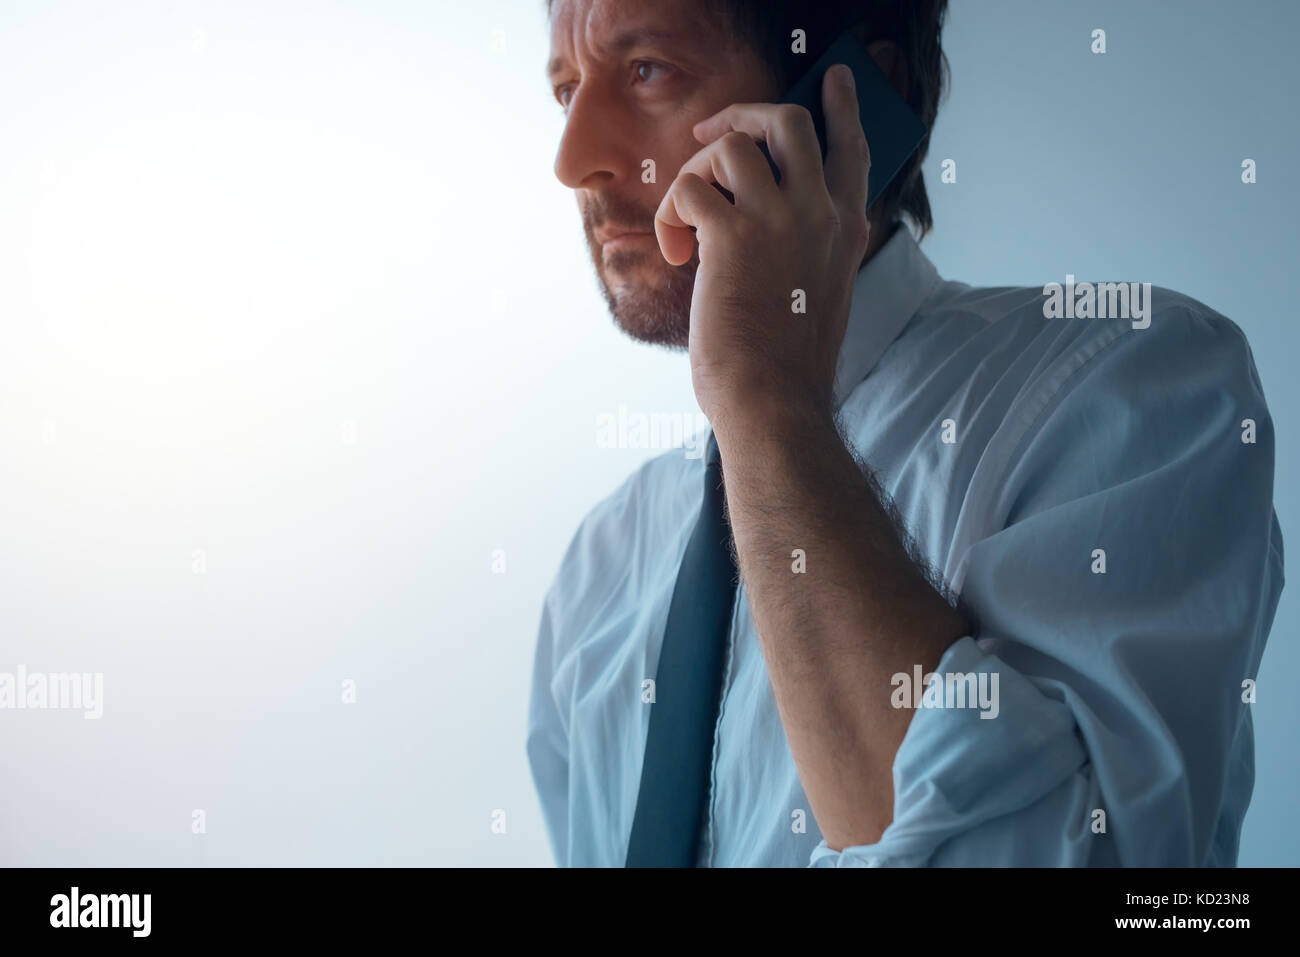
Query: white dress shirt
[(1099, 493)]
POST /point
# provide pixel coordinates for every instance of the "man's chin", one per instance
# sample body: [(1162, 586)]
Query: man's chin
[(657, 313), (648, 323)]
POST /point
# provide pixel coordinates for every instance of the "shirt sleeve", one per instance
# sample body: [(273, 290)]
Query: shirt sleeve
[(1122, 600)]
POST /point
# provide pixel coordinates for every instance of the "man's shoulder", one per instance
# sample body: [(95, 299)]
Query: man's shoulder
[(989, 367), (1075, 323), (1107, 397), (1084, 307)]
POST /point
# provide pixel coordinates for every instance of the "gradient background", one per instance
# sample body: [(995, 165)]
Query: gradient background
[(292, 283)]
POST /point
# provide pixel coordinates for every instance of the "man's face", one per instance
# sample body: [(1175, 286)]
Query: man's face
[(634, 76)]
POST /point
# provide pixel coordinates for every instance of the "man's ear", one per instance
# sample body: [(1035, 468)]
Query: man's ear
[(892, 63)]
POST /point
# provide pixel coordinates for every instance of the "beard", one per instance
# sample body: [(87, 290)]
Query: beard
[(649, 298)]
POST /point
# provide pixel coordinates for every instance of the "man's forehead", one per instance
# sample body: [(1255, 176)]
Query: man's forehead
[(609, 26)]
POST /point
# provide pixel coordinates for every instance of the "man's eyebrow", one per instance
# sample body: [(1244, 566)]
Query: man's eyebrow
[(629, 39)]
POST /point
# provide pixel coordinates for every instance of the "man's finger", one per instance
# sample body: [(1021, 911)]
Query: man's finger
[(848, 158), (691, 202), (788, 131), (739, 167)]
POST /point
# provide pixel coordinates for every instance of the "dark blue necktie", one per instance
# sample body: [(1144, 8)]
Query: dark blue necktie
[(679, 745)]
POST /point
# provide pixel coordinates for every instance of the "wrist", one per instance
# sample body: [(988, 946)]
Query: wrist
[(773, 416)]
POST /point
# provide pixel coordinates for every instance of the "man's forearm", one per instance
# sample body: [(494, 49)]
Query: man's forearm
[(834, 633)]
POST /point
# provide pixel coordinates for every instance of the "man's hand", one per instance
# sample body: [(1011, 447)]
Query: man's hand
[(764, 374), (748, 347)]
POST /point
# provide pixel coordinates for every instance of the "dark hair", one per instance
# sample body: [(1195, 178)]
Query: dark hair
[(913, 25)]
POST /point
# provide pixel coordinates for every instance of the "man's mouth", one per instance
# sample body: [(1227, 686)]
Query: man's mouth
[(625, 240), (613, 237)]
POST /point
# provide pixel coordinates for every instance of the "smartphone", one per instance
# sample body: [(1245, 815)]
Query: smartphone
[(893, 130)]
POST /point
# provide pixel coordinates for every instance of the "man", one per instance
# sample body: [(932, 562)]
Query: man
[(1005, 569)]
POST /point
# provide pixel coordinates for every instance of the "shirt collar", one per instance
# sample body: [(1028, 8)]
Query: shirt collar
[(886, 294)]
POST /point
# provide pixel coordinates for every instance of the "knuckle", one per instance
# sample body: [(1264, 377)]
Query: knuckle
[(783, 220), (684, 187), (826, 213), (734, 141), (863, 151), (857, 229), (795, 118)]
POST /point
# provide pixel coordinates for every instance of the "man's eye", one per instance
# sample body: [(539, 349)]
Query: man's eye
[(646, 70)]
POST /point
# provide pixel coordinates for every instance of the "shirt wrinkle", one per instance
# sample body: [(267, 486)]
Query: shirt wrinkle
[(1114, 711)]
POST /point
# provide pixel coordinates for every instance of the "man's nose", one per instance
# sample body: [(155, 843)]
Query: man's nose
[(592, 149)]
